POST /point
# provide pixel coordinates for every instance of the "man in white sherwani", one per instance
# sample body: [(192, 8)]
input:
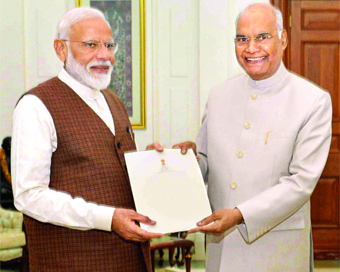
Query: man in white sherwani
[(263, 145)]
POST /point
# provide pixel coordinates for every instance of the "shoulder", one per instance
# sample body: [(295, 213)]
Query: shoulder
[(308, 92), (31, 109), (41, 89), (45, 86), (230, 85), (305, 86), (48, 89)]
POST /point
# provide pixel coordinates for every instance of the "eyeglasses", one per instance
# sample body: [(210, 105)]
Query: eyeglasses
[(262, 38), (94, 46)]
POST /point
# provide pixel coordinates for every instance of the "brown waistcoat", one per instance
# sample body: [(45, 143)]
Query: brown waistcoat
[(88, 163)]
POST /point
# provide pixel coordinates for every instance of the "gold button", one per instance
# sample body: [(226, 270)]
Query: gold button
[(233, 185), (246, 125), (254, 96), (102, 109), (240, 154)]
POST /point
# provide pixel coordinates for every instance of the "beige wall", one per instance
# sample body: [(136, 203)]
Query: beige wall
[(11, 61)]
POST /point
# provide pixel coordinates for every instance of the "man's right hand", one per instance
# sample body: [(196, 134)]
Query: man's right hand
[(156, 146), (123, 223)]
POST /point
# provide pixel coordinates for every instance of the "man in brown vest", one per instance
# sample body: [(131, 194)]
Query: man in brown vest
[(68, 167)]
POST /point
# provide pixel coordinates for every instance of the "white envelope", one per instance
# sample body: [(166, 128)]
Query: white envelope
[(169, 188)]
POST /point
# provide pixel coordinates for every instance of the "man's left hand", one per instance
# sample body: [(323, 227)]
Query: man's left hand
[(221, 220), (184, 146)]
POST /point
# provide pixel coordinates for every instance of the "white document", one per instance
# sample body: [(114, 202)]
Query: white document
[(169, 188)]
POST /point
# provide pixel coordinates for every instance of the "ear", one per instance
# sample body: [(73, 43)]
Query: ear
[(284, 39), (61, 49)]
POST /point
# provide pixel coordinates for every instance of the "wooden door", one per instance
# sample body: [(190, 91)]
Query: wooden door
[(314, 54)]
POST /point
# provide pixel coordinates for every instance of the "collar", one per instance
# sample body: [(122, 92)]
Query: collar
[(274, 79), (76, 86)]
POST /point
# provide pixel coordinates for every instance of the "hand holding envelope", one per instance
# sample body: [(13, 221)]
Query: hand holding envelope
[(219, 221), (169, 188), (123, 223)]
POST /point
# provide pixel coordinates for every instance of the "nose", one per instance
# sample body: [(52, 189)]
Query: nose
[(252, 47), (103, 53)]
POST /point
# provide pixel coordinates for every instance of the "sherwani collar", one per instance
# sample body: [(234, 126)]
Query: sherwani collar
[(268, 82)]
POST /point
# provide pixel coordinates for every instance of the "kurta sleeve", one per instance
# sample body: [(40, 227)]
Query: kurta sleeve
[(274, 205)]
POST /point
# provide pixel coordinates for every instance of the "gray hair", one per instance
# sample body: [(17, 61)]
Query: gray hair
[(277, 13), (74, 16)]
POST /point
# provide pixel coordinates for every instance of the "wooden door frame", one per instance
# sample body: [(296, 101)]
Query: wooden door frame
[(284, 6)]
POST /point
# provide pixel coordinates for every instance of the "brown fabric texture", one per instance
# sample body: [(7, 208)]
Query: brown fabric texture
[(89, 163)]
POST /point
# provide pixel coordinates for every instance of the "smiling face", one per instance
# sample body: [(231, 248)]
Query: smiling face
[(92, 68), (91, 30), (260, 60)]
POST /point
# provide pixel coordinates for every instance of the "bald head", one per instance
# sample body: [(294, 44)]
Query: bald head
[(265, 9)]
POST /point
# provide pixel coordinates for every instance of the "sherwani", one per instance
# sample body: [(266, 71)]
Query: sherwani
[(263, 146)]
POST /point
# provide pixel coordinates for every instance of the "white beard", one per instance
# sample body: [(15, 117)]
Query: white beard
[(83, 74)]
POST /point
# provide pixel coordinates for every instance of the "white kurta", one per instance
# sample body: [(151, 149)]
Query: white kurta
[(34, 139), (263, 146)]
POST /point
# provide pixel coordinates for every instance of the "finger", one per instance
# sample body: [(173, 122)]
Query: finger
[(152, 235), (176, 146), (144, 235), (132, 232), (184, 150), (156, 146), (198, 158), (187, 145), (149, 147), (143, 219), (193, 147), (136, 234), (198, 229), (206, 220), (212, 228), (182, 146), (209, 228)]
